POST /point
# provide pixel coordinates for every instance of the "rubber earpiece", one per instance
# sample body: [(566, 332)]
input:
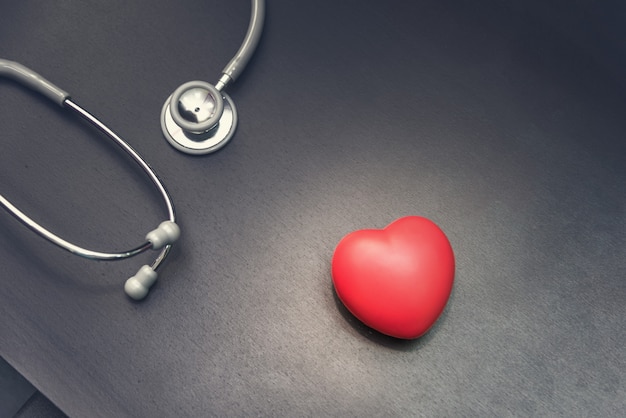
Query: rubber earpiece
[(167, 233), (137, 287)]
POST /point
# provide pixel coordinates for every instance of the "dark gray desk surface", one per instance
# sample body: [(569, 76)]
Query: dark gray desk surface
[(502, 121)]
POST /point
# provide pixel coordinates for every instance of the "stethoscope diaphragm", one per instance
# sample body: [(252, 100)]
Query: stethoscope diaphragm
[(198, 119)]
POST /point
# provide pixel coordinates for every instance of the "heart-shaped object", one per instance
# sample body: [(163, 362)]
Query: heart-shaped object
[(396, 280)]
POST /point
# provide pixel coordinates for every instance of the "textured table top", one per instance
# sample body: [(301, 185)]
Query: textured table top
[(503, 122)]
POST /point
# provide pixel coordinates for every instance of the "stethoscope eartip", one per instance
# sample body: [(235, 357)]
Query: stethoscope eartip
[(198, 118), (137, 287)]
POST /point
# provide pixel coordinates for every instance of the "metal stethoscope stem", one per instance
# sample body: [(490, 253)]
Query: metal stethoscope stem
[(167, 199)]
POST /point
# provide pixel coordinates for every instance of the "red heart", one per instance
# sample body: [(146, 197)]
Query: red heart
[(396, 280)]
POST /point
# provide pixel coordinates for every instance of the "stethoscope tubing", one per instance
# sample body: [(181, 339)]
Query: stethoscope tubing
[(236, 65)]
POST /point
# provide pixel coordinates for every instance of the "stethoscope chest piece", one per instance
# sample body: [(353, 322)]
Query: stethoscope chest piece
[(198, 118)]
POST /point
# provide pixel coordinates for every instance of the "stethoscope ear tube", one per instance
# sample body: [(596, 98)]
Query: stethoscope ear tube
[(160, 238)]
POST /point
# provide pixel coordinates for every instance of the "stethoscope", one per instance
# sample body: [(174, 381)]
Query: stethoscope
[(198, 118)]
